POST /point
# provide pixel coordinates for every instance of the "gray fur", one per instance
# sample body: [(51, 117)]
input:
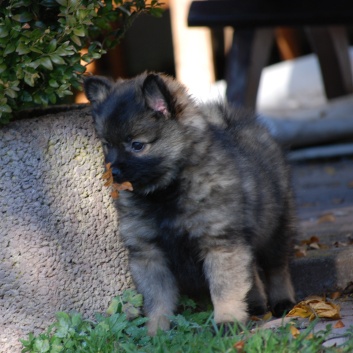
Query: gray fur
[(212, 207)]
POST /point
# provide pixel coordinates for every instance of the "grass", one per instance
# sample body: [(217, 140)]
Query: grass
[(193, 331)]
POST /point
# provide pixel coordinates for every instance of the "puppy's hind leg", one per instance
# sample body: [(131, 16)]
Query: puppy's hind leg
[(257, 295), (275, 262), (280, 290)]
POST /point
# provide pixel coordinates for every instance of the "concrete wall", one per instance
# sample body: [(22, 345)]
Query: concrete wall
[(59, 244)]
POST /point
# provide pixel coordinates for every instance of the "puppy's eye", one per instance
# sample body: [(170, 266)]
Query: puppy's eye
[(137, 146)]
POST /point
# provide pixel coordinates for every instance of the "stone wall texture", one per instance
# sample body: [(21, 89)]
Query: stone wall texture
[(59, 241)]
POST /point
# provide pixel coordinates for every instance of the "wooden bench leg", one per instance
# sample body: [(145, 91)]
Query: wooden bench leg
[(248, 55), (330, 43)]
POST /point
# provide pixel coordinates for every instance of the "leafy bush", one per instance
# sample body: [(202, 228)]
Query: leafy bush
[(41, 43), (193, 331)]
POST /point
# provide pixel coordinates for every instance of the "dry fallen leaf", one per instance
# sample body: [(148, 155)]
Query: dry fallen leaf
[(335, 295), (339, 244), (108, 176), (339, 324), (239, 346), (316, 307), (309, 336), (114, 194), (326, 218), (294, 331), (255, 318), (267, 316), (315, 246), (300, 250), (350, 184)]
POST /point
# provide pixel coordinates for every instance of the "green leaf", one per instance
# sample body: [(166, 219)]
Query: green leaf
[(49, 3), (76, 40), (23, 17), (56, 59), (62, 2), (26, 97), (3, 32), (21, 3), (36, 50), (29, 78), (52, 45), (79, 68), (46, 63), (3, 67), (79, 31), (5, 108), (63, 325), (10, 93), (157, 12), (65, 49), (10, 48), (132, 297), (42, 346), (53, 83), (114, 306), (22, 49), (76, 319)]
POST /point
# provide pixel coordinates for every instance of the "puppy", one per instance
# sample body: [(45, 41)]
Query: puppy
[(211, 208)]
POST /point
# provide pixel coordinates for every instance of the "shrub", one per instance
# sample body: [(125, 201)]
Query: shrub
[(41, 42)]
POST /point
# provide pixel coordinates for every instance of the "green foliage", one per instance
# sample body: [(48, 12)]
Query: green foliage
[(193, 332), (41, 43)]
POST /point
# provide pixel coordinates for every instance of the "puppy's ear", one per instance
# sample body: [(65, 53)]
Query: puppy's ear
[(97, 88), (157, 95)]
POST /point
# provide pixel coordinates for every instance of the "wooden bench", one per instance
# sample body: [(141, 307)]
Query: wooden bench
[(254, 22)]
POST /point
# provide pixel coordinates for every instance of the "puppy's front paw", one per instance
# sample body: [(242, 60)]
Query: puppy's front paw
[(282, 307), (155, 323)]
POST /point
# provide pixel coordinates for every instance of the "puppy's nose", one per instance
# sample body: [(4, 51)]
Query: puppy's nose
[(116, 172)]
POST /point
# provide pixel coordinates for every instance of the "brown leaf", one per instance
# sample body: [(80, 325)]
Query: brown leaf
[(300, 253), (326, 310), (314, 307), (301, 310), (326, 218), (255, 318), (314, 246), (339, 324), (300, 250), (339, 244), (314, 239), (239, 346), (294, 331), (335, 295), (126, 185), (267, 316), (350, 184), (114, 194), (108, 176)]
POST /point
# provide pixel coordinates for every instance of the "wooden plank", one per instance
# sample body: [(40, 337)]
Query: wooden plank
[(192, 50), (330, 43), (269, 13), (249, 54)]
